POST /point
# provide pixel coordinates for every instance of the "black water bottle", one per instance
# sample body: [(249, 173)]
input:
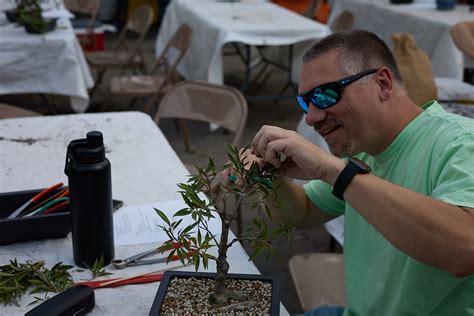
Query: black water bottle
[(90, 193)]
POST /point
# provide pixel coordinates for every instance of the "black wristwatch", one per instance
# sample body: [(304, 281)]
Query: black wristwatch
[(353, 167)]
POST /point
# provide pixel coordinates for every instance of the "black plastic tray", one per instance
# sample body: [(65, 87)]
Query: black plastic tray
[(13, 230)]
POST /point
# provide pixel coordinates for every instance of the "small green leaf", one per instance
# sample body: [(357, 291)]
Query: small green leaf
[(268, 211), (183, 212), (189, 228), (162, 215), (196, 262)]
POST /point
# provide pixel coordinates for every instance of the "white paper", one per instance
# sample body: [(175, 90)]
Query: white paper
[(139, 224)]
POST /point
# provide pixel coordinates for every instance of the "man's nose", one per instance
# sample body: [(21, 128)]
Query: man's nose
[(314, 115)]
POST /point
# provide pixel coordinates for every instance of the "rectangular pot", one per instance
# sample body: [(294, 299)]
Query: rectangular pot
[(168, 275)]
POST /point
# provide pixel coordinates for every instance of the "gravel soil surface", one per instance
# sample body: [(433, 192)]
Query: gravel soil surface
[(190, 296)]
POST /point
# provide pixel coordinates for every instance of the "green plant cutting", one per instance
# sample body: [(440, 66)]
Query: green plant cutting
[(17, 278), (248, 185)]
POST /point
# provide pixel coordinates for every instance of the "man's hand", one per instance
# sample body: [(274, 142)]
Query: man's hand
[(295, 156)]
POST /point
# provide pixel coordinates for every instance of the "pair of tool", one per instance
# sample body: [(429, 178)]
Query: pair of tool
[(135, 260), (39, 207), (154, 276)]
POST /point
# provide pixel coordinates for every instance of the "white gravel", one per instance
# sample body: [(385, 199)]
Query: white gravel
[(190, 296)]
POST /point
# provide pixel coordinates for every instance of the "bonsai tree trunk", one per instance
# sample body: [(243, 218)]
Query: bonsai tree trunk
[(221, 293)]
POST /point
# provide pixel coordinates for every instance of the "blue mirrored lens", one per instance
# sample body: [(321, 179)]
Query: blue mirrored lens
[(302, 103), (324, 98)]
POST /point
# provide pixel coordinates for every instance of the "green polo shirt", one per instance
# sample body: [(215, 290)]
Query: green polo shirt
[(433, 155)]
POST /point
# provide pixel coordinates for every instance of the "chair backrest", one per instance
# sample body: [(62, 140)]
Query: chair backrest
[(415, 68), (206, 102), (318, 279), (87, 7), (343, 22), (139, 23), (463, 37), (174, 51)]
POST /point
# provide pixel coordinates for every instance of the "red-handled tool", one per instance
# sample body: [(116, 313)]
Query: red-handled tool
[(153, 276), (135, 260), (35, 199), (122, 281)]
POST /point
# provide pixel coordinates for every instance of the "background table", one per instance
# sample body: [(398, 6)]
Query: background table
[(144, 169), (48, 63), (429, 26), (217, 23)]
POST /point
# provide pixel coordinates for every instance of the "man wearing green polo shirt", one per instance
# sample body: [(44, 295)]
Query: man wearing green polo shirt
[(403, 176)]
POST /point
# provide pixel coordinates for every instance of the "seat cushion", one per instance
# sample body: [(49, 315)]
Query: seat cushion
[(109, 59), (136, 85)]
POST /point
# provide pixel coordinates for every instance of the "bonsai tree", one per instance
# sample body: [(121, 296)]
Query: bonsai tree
[(249, 185), (29, 14)]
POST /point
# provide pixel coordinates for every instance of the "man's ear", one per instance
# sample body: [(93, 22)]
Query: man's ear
[(384, 79)]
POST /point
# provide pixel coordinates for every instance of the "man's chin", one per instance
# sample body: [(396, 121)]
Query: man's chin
[(340, 151)]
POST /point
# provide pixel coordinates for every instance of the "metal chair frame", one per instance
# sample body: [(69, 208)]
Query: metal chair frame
[(139, 23)]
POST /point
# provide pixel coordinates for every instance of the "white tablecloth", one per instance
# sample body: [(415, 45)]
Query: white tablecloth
[(429, 26), (144, 169), (217, 23), (49, 63)]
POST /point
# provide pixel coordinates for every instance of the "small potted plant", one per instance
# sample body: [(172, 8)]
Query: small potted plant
[(209, 293), (29, 14)]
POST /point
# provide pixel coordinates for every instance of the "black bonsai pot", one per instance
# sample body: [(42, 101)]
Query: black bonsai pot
[(170, 275), (11, 15), (47, 25)]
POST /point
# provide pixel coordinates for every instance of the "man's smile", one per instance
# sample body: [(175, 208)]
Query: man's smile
[(326, 131)]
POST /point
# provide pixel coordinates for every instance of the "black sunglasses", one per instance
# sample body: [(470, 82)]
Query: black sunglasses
[(328, 94)]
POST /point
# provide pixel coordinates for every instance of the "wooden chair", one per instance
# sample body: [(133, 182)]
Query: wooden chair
[(205, 102), (155, 85), (125, 53), (10, 111), (90, 8)]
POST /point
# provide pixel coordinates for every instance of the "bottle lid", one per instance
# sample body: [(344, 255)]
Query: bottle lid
[(88, 150)]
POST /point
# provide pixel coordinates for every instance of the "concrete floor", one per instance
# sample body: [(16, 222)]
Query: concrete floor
[(206, 143)]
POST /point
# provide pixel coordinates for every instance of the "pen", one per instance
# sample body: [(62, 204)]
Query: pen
[(47, 206), (58, 195), (57, 207), (35, 199)]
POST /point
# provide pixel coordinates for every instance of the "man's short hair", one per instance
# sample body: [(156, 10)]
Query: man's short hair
[(359, 51)]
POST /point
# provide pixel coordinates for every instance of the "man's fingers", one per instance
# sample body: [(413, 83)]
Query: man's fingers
[(266, 135), (275, 151)]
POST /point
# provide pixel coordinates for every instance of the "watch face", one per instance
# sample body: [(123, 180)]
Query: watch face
[(362, 165)]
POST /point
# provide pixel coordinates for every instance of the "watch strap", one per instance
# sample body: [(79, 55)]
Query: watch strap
[(346, 176)]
